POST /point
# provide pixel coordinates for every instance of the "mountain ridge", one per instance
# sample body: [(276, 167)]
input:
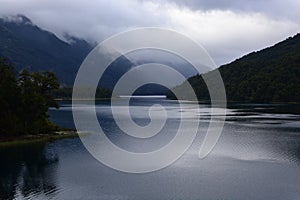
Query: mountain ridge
[(28, 46), (268, 75)]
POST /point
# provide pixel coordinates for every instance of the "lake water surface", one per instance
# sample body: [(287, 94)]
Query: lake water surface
[(257, 157)]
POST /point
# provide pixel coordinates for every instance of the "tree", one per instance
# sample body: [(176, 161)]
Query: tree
[(25, 101), (9, 99), (36, 91)]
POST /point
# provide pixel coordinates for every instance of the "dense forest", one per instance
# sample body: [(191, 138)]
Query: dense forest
[(25, 99), (269, 75)]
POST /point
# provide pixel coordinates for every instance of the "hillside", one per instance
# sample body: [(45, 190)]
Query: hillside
[(269, 75), (28, 46)]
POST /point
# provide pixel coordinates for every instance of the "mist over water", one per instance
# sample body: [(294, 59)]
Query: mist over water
[(257, 157)]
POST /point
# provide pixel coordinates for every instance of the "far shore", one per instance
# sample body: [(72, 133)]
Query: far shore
[(181, 100)]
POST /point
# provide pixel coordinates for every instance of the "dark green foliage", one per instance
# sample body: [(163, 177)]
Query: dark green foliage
[(269, 75), (9, 99), (25, 100)]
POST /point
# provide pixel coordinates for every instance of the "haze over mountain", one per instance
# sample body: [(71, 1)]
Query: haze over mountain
[(28, 46), (269, 75), (227, 29)]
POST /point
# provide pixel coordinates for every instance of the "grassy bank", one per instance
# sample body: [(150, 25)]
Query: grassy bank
[(29, 139)]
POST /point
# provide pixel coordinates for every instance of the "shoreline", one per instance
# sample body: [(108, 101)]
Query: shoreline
[(187, 100), (29, 139)]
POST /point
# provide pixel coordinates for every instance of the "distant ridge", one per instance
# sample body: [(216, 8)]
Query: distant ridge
[(268, 75), (28, 46)]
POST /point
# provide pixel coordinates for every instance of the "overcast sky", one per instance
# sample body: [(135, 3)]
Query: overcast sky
[(227, 29)]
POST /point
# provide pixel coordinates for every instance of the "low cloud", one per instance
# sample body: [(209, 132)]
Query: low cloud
[(227, 31)]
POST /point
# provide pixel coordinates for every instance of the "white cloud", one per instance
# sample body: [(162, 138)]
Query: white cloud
[(227, 32), (96, 19)]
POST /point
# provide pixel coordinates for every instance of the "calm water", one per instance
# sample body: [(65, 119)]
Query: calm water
[(257, 157)]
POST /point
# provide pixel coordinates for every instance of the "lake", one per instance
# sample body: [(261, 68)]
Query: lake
[(256, 157)]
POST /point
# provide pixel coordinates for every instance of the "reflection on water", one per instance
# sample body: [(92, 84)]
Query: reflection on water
[(26, 171), (257, 157)]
